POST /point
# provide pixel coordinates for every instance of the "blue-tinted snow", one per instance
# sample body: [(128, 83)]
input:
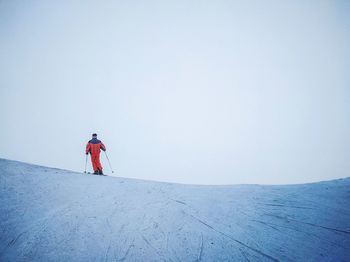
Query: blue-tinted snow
[(56, 215)]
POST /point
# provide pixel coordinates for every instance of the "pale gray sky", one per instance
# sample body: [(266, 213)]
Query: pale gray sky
[(204, 92)]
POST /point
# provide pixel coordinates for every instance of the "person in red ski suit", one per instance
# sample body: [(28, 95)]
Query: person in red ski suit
[(94, 147)]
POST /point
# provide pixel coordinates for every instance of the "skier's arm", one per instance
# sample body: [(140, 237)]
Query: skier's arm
[(103, 147), (87, 148)]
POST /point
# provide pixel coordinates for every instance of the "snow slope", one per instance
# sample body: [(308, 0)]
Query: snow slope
[(50, 214)]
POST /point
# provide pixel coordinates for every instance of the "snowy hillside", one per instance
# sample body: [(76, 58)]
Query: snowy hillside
[(49, 214)]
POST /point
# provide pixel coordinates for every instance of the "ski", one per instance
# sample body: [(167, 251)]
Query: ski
[(89, 173)]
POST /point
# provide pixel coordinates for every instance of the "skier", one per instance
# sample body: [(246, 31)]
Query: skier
[(94, 147)]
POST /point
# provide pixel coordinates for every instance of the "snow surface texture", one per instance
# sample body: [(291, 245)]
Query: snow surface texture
[(50, 214)]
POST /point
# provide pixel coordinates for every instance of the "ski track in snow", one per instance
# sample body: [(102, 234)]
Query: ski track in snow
[(49, 214)]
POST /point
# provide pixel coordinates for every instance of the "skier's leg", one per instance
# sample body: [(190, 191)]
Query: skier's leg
[(94, 163), (99, 166)]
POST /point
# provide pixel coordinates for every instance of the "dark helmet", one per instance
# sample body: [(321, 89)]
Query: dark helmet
[(94, 135)]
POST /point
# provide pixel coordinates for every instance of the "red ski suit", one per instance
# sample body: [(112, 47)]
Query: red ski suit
[(94, 147)]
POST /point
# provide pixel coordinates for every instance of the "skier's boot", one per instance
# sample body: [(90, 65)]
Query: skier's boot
[(96, 172), (100, 172)]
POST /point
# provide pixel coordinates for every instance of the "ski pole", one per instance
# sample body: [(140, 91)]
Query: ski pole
[(85, 163), (109, 162)]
